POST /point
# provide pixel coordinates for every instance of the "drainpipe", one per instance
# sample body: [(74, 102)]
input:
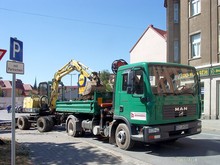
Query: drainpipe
[(210, 88)]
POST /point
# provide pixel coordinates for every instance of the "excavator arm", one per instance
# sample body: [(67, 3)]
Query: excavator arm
[(73, 65)]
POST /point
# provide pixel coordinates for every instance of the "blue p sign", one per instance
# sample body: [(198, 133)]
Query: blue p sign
[(16, 50)]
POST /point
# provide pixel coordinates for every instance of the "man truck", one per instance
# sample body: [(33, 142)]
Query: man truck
[(151, 102)]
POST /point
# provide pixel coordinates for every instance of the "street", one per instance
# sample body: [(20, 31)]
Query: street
[(57, 147), (198, 149)]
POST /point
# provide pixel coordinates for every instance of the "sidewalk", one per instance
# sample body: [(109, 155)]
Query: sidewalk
[(213, 125)]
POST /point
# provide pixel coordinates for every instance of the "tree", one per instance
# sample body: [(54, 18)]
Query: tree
[(1, 92), (104, 77)]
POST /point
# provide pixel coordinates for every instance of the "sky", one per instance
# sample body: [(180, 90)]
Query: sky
[(94, 32)]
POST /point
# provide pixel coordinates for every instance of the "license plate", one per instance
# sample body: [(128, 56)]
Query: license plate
[(182, 127)]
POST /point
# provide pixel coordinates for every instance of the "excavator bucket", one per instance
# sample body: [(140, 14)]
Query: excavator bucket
[(91, 87)]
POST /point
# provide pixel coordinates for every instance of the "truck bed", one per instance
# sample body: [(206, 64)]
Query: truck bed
[(88, 106), (85, 106)]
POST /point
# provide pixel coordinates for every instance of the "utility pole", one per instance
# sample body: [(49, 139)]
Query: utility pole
[(71, 74)]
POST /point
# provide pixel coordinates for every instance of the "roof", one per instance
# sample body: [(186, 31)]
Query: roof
[(160, 32), (27, 87), (6, 84)]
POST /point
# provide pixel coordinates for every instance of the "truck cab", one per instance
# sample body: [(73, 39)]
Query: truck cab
[(155, 102)]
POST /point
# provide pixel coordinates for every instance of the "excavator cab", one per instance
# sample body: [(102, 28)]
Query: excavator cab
[(40, 101), (44, 91)]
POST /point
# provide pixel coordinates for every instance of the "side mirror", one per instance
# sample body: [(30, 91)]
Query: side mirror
[(129, 90), (130, 84)]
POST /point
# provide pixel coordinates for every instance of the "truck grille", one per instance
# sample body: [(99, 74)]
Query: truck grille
[(175, 111)]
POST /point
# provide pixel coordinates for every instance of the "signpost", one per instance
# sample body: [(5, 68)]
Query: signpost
[(15, 67), (16, 50)]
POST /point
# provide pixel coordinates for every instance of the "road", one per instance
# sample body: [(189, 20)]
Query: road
[(199, 149), (57, 147)]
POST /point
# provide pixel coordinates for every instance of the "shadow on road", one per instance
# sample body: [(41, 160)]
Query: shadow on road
[(181, 148), (67, 153)]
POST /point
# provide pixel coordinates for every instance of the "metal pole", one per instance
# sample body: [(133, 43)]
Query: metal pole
[(13, 120), (71, 86)]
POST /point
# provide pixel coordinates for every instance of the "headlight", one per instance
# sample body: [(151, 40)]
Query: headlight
[(153, 130)]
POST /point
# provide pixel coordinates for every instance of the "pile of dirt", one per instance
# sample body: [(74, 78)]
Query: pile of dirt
[(22, 153)]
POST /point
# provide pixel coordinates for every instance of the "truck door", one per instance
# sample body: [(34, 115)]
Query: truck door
[(130, 96)]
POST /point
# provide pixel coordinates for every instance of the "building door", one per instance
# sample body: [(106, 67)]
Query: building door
[(218, 99)]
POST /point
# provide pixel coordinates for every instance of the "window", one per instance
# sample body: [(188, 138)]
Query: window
[(138, 82), (169, 79), (176, 51), (195, 45), (195, 7), (176, 13)]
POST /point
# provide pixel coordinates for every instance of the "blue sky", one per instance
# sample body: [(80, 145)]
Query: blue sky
[(94, 32)]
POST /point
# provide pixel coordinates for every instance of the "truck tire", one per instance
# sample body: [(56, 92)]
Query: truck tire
[(71, 128), (43, 124), (23, 123), (51, 122), (123, 138)]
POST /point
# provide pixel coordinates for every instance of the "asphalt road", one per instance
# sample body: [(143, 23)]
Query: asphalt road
[(202, 149), (57, 147)]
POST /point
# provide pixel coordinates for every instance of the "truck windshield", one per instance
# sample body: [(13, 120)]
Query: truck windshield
[(176, 80)]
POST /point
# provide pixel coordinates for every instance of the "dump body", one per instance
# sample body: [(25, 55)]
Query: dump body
[(91, 107)]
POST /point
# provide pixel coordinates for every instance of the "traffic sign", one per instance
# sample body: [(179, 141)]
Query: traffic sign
[(15, 67), (16, 50), (2, 53)]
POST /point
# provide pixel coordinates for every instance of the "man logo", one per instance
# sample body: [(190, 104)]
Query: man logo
[(177, 109)]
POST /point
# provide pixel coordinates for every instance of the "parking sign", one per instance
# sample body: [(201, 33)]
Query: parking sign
[(16, 50)]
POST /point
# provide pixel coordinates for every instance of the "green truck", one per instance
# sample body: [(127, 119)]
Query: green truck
[(151, 102)]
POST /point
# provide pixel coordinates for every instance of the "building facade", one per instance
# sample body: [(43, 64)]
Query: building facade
[(150, 47), (193, 38), (21, 88)]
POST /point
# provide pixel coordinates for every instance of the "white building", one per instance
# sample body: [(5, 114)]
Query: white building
[(150, 47)]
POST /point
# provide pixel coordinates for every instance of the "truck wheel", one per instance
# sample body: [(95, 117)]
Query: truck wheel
[(123, 138), (71, 128), (51, 122), (23, 123), (43, 124)]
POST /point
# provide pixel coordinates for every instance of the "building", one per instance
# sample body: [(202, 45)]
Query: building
[(193, 38), (70, 92), (150, 47), (21, 89)]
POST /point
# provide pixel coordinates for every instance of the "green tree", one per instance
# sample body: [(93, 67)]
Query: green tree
[(1, 92), (104, 77)]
